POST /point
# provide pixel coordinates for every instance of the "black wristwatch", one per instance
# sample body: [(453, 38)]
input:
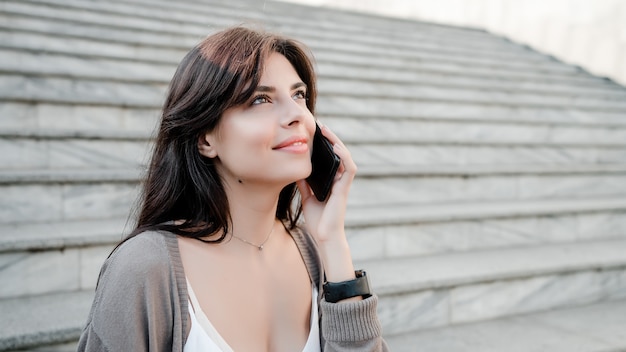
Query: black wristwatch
[(337, 291)]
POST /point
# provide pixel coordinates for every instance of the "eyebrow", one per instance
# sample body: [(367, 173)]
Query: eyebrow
[(273, 89)]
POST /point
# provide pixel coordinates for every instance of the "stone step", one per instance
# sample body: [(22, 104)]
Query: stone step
[(376, 30), (54, 347), (475, 286), (83, 154), (93, 47), (39, 320), (170, 16), (478, 59), (404, 214), (450, 154), (333, 61), (379, 192), (402, 72), (34, 64), (377, 130), (55, 90), (38, 237), (19, 88), (451, 107), (38, 195), (72, 153), (28, 273), (439, 58), (353, 130), (419, 92), (29, 152), (428, 238), (588, 328), (438, 291), (520, 125), (73, 176), (595, 327), (458, 232), (38, 65), (66, 202), (56, 256), (384, 65), (37, 115), (338, 66)]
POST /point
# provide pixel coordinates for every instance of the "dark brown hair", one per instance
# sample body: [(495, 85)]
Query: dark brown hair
[(221, 72)]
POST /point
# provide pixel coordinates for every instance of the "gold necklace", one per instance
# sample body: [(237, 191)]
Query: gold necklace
[(259, 246)]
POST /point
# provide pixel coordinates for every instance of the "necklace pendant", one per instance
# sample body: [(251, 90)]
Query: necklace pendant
[(260, 247)]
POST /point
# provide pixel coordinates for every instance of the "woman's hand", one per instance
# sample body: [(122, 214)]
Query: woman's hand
[(326, 220)]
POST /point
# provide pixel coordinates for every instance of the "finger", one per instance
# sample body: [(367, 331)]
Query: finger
[(347, 162), (330, 135)]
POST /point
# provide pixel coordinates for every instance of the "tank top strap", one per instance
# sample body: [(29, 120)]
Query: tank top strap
[(205, 323)]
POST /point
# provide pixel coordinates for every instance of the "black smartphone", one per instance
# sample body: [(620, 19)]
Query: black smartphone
[(324, 164)]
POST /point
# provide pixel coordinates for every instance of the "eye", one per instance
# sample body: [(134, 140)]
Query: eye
[(260, 99), (300, 94)]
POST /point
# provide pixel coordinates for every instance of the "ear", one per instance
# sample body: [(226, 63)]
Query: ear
[(205, 147)]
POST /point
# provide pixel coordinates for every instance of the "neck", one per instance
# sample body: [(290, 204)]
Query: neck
[(252, 210)]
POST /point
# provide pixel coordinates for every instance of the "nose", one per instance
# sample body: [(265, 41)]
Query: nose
[(293, 112)]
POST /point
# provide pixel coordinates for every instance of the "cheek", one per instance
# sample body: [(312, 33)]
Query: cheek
[(247, 132), (245, 142)]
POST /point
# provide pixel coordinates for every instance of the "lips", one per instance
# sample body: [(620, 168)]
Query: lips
[(295, 142)]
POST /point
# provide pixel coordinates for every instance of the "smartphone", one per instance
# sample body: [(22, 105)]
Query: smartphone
[(324, 164)]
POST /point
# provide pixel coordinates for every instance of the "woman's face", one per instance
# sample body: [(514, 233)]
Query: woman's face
[(268, 139)]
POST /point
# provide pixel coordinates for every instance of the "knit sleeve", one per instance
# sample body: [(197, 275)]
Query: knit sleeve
[(135, 305), (352, 326), (345, 326)]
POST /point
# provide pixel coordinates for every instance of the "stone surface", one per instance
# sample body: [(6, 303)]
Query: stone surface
[(72, 153), (369, 192), (418, 311), (44, 203), (443, 212), (65, 270), (423, 239), (77, 117), (385, 131), (589, 328), (29, 63), (63, 234), (60, 318), (414, 311), (506, 298), (484, 267), (30, 274)]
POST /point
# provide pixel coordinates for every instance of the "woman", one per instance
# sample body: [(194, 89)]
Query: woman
[(219, 260)]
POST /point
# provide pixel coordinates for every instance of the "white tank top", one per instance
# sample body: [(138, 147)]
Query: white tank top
[(204, 337)]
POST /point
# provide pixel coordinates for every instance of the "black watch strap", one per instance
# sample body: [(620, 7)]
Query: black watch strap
[(337, 291)]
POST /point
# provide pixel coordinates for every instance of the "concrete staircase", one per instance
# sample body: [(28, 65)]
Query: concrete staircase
[(490, 207)]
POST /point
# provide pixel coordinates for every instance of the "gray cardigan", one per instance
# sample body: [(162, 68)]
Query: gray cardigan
[(141, 302)]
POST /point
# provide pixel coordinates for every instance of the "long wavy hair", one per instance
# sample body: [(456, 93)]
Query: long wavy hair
[(183, 192)]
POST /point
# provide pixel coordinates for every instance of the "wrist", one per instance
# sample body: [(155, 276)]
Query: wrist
[(337, 260), (357, 288)]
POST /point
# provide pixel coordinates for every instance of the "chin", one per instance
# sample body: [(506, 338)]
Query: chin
[(300, 176)]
